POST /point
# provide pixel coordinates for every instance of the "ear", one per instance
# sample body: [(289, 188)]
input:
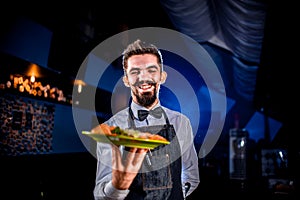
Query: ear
[(163, 77), (125, 81)]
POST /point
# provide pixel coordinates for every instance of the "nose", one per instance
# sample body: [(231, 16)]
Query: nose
[(143, 75)]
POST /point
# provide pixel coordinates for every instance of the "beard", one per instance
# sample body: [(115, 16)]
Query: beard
[(146, 99)]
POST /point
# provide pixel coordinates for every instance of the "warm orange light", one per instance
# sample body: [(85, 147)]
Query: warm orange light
[(33, 70), (20, 80), (21, 88), (79, 83), (32, 78)]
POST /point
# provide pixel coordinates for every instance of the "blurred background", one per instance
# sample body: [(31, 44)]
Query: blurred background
[(42, 48)]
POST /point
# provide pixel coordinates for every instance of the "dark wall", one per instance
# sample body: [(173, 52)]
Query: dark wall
[(48, 177), (25, 39)]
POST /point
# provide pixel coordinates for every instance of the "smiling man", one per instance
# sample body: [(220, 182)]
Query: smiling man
[(168, 171)]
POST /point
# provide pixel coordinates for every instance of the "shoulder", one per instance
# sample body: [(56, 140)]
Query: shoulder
[(174, 115), (119, 119)]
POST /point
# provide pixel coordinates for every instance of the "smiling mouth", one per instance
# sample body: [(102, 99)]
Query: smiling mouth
[(145, 88)]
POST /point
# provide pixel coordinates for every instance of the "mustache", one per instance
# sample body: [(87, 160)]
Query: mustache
[(138, 83)]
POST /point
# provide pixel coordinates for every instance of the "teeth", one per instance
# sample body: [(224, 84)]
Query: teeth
[(145, 86)]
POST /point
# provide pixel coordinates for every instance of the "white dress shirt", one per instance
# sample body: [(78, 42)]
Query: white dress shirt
[(190, 171)]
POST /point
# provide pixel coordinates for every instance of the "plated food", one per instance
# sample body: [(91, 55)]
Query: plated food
[(127, 137)]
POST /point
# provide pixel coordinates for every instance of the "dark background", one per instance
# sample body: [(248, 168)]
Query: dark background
[(70, 173)]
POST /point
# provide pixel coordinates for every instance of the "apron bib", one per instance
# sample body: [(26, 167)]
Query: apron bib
[(160, 177)]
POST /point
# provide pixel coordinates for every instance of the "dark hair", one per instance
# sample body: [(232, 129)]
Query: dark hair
[(139, 47)]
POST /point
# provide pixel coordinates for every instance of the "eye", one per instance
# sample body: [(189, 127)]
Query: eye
[(152, 70), (134, 72)]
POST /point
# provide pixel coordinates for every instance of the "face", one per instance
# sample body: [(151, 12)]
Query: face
[(144, 77)]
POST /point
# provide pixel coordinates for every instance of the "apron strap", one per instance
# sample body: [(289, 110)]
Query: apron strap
[(131, 118)]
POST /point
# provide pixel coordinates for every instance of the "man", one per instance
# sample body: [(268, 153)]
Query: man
[(166, 172)]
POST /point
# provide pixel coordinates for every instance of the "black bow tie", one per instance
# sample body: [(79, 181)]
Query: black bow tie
[(142, 114)]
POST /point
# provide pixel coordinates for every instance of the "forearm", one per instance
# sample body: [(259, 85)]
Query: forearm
[(103, 188), (190, 171), (191, 183)]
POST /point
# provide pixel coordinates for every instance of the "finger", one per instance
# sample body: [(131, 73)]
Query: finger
[(132, 150), (137, 150), (130, 155), (142, 150), (135, 157), (116, 158), (139, 157), (130, 165)]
